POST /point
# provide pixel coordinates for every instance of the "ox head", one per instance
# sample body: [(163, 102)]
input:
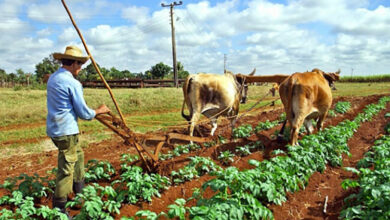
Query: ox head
[(243, 85), (331, 78)]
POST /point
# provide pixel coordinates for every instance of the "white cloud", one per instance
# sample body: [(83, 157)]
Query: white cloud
[(276, 38)]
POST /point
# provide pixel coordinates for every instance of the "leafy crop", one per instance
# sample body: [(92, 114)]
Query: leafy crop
[(266, 125), (179, 150), (342, 107), (331, 113), (246, 149), (387, 128), (134, 185), (99, 202), (196, 168), (373, 199), (98, 170), (23, 208), (128, 158), (242, 131), (226, 157), (33, 186)]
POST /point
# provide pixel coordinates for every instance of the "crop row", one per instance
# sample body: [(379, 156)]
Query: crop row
[(373, 198), (244, 194)]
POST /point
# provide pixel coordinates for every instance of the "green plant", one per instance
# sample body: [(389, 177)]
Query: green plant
[(246, 149), (98, 170), (331, 113), (387, 128), (197, 167), (177, 210), (129, 158), (34, 186), (342, 107), (242, 131), (221, 139), (266, 125), (99, 202), (373, 199), (23, 208), (226, 157), (134, 185)]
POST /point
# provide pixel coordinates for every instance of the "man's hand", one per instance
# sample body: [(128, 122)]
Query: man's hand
[(102, 110)]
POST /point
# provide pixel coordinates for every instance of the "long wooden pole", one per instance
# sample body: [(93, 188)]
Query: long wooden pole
[(94, 63)]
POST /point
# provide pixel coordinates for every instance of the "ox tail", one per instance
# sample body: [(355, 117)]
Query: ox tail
[(186, 88), (293, 90)]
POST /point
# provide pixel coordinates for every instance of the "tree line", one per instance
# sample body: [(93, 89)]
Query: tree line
[(49, 65)]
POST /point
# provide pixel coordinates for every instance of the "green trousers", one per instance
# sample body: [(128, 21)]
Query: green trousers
[(70, 164)]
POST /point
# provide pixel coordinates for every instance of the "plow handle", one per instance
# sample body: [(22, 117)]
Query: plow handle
[(93, 62)]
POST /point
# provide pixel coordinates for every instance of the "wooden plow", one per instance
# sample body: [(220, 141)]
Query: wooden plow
[(150, 160)]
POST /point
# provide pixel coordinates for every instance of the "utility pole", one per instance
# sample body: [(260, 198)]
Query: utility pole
[(173, 40)]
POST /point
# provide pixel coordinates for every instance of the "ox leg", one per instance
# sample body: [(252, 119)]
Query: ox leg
[(296, 124), (233, 123), (320, 121), (280, 135), (194, 119), (309, 126), (214, 124)]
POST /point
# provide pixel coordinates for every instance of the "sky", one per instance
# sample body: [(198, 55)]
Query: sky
[(273, 36)]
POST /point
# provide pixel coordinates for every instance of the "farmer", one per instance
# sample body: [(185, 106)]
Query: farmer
[(65, 104)]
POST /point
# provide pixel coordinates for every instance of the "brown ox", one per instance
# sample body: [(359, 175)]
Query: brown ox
[(213, 95), (306, 96)]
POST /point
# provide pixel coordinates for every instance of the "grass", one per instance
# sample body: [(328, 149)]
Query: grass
[(144, 109)]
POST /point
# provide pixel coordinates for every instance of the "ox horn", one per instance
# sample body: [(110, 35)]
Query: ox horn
[(253, 72)]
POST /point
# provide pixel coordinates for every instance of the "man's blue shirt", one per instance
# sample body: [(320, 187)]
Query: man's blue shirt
[(65, 103)]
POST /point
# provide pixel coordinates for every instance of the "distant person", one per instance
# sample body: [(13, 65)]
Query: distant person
[(65, 104)]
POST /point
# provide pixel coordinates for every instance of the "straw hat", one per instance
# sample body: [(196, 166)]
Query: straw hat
[(71, 53)]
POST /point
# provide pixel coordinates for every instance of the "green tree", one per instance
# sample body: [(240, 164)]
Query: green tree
[(181, 73), (3, 75), (12, 77), (48, 66), (115, 74), (127, 74), (160, 70), (21, 76)]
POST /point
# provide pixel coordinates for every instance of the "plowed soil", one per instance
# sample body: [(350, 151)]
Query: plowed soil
[(305, 204)]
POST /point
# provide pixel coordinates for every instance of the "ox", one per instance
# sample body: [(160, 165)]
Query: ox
[(306, 96), (213, 95)]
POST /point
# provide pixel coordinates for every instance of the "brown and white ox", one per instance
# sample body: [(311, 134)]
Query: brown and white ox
[(213, 95), (306, 96)]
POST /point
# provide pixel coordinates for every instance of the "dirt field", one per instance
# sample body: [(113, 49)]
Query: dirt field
[(305, 204)]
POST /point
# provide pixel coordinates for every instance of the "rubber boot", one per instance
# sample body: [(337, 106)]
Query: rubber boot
[(60, 203), (78, 188)]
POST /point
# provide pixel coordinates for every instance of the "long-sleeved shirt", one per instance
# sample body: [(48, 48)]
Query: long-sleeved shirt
[(65, 103)]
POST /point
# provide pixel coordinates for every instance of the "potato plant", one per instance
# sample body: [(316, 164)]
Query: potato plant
[(342, 107), (242, 131), (373, 199)]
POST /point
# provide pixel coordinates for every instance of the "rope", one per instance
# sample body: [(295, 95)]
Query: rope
[(250, 109), (185, 124)]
